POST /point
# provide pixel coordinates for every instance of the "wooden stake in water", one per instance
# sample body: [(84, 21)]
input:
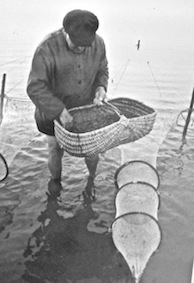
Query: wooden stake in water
[(192, 275), (188, 116), (2, 97)]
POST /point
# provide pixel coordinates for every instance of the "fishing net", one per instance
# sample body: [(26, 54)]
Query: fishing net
[(136, 233), (182, 117), (18, 126), (137, 171), (146, 149), (136, 236), (139, 197)]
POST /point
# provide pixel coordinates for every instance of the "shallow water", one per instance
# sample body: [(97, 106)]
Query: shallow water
[(67, 239), (173, 261)]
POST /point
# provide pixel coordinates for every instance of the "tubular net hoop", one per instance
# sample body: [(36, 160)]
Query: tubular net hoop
[(137, 197), (136, 171), (137, 236), (137, 202), (4, 170)]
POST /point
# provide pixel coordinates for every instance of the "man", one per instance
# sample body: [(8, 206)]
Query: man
[(69, 69)]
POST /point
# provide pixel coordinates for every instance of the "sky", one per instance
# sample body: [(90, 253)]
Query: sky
[(163, 26), (33, 19)]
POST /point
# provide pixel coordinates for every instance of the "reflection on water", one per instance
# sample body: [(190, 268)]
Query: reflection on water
[(64, 237), (58, 232), (63, 250)]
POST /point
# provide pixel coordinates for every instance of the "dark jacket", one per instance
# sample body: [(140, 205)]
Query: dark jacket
[(61, 78)]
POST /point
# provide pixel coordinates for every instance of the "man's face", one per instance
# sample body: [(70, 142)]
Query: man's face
[(73, 47)]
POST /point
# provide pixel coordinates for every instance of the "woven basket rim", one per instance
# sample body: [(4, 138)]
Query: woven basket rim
[(97, 131), (72, 134), (113, 99)]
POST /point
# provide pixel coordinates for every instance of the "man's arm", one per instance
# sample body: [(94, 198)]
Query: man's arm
[(40, 85), (101, 80)]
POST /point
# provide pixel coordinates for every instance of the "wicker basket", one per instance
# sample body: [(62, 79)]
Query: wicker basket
[(99, 128)]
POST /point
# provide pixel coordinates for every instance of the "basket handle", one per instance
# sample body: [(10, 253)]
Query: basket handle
[(117, 111)]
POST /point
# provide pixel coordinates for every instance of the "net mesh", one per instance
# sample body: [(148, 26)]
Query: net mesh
[(18, 126), (146, 149), (136, 233), (137, 236), (136, 171), (139, 197)]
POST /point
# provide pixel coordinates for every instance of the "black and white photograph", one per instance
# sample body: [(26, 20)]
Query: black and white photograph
[(96, 141)]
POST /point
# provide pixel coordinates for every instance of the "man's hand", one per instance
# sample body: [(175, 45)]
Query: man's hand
[(66, 119), (100, 95)]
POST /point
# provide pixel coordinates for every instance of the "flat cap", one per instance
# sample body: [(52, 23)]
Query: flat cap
[(81, 25)]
